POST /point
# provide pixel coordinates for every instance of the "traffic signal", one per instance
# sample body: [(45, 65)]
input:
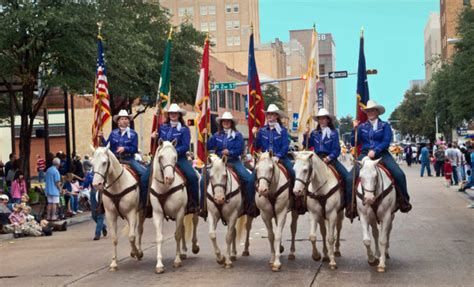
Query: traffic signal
[(372, 72), (191, 123), (304, 77)]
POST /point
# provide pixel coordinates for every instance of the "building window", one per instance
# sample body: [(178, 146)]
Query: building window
[(322, 70), (230, 41), (228, 25), (214, 101), (204, 27), (228, 8), (189, 11), (230, 100), (288, 87), (212, 26), (236, 8), (181, 12), (236, 25), (467, 2), (288, 70), (238, 101), (211, 9), (221, 99), (237, 41), (203, 10)]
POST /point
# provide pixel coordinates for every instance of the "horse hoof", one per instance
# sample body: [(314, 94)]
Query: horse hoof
[(282, 249), (160, 270), (233, 258), (276, 268), (183, 256), (333, 267), (196, 249), (325, 259), (133, 255), (221, 260), (113, 269), (177, 264), (380, 269), (291, 256), (245, 253), (140, 255), (373, 263), (228, 266), (316, 257), (337, 253), (387, 256)]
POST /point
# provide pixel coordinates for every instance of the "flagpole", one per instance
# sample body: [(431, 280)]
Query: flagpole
[(356, 155), (99, 37), (206, 99)]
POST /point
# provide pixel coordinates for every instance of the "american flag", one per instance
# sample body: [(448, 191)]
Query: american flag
[(201, 105), (101, 96)]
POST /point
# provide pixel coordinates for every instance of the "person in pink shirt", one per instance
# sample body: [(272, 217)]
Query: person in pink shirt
[(17, 219), (18, 188)]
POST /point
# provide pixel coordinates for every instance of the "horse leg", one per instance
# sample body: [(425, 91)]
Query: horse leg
[(212, 235), (230, 239), (248, 227), (375, 234), (384, 234), (340, 218), (141, 222), (389, 231), (313, 226), (132, 229), (267, 219), (294, 222), (158, 222), (366, 239), (277, 242), (177, 236), (112, 222), (194, 240), (183, 244), (233, 254), (322, 224), (332, 238)]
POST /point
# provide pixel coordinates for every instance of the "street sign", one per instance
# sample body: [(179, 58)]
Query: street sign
[(337, 74), (222, 86)]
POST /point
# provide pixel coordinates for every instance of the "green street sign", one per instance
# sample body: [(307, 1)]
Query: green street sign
[(223, 86)]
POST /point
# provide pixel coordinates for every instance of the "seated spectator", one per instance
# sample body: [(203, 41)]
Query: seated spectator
[(30, 227), (4, 211), (17, 219)]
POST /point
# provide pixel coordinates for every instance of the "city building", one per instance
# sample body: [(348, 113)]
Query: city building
[(449, 13), (228, 22), (417, 83), (432, 45)]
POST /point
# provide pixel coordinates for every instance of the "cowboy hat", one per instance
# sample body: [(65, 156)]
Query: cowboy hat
[(226, 116), (324, 113), (174, 108), (122, 113), (272, 108), (4, 197), (372, 105)]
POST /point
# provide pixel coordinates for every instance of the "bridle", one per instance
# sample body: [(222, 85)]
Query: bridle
[(104, 176), (222, 185), (163, 166), (308, 178), (268, 180), (364, 190)]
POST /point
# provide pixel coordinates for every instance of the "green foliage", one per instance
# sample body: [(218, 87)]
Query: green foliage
[(272, 95), (345, 124)]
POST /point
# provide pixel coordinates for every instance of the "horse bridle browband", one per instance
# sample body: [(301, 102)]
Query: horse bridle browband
[(308, 179)]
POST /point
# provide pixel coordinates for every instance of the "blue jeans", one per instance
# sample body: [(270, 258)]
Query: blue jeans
[(16, 200), (346, 177), (394, 169), (425, 164), (97, 217), (191, 177), (455, 178), (74, 202), (41, 176), (144, 174)]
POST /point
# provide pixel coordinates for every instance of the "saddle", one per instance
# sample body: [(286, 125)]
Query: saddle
[(132, 171)]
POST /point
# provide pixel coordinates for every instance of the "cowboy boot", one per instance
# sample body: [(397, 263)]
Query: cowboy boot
[(351, 213), (404, 205)]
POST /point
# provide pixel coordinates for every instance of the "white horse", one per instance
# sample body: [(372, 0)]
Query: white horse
[(324, 193), (169, 198), (120, 195), (376, 207), (225, 201), (273, 199)]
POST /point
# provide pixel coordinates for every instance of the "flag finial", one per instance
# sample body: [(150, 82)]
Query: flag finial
[(170, 33), (314, 26), (251, 27), (99, 30), (362, 31)]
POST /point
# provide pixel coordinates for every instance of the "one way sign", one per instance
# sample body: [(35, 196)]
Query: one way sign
[(337, 74)]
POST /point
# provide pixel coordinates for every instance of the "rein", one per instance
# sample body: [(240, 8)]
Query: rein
[(162, 167)]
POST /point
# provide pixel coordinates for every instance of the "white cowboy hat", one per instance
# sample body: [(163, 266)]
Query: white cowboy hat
[(324, 113), (371, 104), (226, 116), (272, 108), (122, 113), (174, 108)]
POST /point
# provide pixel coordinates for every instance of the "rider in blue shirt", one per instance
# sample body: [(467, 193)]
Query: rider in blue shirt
[(325, 141), (230, 142), (375, 136), (174, 128), (124, 144), (274, 136)]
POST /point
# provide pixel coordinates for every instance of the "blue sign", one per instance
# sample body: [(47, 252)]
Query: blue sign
[(246, 97), (320, 98), (294, 126)]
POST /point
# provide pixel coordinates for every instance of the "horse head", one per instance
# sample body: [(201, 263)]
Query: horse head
[(100, 166), (165, 161), (368, 178), (303, 170), (265, 172), (218, 177)]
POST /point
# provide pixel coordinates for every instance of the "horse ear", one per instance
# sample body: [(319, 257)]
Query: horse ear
[(92, 148), (224, 159), (271, 153), (174, 142), (311, 155), (160, 142), (359, 163), (107, 146), (377, 161)]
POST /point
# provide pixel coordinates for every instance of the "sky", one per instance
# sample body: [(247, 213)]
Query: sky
[(393, 36)]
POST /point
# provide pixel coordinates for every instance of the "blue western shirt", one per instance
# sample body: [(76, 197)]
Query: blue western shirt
[(329, 146), (219, 141), (183, 137), (130, 144), (377, 140), (270, 139)]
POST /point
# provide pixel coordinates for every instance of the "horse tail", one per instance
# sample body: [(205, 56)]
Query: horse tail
[(188, 227), (240, 227)]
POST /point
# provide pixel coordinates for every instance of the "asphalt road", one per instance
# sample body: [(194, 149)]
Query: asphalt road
[(432, 245)]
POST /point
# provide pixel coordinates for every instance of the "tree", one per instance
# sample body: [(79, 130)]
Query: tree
[(272, 95), (55, 41)]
